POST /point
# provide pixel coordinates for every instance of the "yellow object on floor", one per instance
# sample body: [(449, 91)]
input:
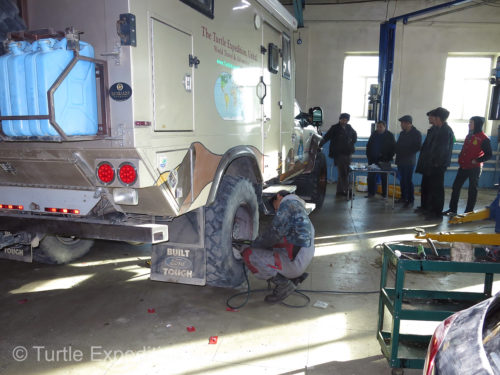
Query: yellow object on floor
[(471, 216), (474, 238), (389, 190)]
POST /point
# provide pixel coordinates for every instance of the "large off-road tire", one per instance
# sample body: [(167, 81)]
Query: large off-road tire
[(61, 250), (233, 215), (312, 186)]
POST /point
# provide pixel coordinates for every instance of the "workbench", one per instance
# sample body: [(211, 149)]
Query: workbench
[(354, 171), (408, 350)]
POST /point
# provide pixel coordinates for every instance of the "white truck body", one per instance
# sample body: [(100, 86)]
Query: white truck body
[(188, 97)]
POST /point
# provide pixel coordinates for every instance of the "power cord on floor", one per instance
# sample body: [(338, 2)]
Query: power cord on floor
[(299, 292)]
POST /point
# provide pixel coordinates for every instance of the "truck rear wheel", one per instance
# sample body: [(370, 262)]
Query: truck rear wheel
[(312, 186), (61, 250), (233, 215)]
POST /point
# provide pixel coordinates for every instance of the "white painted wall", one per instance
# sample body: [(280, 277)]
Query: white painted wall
[(422, 47)]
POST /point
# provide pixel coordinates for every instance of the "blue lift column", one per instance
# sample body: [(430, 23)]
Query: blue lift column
[(386, 54), (297, 6)]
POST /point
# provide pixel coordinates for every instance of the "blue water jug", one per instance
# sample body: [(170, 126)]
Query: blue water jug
[(32, 87), (4, 94), (17, 86), (13, 96), (75, 100)]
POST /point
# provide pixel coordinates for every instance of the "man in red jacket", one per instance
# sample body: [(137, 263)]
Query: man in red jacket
[(475, 151)]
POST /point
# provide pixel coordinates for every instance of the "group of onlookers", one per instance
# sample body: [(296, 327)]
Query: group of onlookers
[(433, 161)]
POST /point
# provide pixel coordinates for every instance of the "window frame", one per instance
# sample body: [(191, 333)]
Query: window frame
[(273, 61), (205, 7), (286, 56), (368, 79), (456, 123)]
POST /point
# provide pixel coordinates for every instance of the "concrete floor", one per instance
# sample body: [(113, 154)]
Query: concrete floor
[(101, 315)]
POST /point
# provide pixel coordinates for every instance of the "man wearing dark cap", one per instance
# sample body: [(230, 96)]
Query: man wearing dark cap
[(342, 138), (423, 160), (380, 151), (435, 161), (407, 146), (475, 151)]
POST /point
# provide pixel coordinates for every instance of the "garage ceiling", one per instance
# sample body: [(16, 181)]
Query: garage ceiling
[(330, 2)]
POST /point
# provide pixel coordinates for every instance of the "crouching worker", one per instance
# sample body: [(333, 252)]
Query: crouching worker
[(282, 253)]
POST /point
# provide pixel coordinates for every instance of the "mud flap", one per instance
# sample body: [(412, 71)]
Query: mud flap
[(178, 264), (17, 252), (183, 258)]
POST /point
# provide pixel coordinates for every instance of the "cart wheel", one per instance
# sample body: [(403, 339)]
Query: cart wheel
[(397, 371)]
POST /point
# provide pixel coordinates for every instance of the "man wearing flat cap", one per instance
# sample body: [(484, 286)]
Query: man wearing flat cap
[(407, 146), (435, 158), (342, 138), (423, 159)]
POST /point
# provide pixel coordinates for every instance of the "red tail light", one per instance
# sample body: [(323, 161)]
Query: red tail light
[(105, 173), (435, 343), (127, 174), (73, 211), (12, 206)]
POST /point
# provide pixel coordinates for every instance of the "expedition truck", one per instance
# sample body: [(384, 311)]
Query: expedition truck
[(160, 121)]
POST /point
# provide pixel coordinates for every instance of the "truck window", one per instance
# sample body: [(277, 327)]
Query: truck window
[(286, 57), (203, 6), (274, 58)]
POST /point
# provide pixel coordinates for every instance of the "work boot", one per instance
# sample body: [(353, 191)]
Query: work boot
[(299, 279), (449, 212), (284, 287)]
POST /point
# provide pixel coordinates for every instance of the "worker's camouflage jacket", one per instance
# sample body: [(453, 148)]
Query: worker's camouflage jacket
[(291, 222)]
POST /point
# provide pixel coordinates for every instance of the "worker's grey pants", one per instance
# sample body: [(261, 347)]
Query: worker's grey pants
[(266, 263)]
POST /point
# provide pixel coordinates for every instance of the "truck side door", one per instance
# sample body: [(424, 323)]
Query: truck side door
[(173, 77), (271, 119)]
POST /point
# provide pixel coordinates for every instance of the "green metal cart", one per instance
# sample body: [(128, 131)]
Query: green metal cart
[(408, 350)]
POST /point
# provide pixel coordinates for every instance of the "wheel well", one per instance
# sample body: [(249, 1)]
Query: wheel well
[(237, 162), (245, 167)]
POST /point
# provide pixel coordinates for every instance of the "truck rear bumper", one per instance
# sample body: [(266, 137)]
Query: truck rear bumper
[(92, 229)]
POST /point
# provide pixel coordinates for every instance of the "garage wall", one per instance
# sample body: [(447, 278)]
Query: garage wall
[(422, 47)]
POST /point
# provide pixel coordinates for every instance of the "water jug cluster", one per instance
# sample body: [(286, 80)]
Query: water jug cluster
[(29, 70)]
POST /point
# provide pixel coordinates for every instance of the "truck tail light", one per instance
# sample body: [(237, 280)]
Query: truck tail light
[(127, 173), (105, 173), (73, 211), (435, 343), (12, 206)]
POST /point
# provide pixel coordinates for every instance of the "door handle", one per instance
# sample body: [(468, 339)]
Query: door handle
[(261, 90)]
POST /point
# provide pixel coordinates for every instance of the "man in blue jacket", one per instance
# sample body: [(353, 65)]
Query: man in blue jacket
[(407, 146), (380, 151)]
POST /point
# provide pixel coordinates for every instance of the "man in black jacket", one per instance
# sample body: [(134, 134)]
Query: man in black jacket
[(424, 185), (407, 146), (342, 138), (434, 159), (380, 151)]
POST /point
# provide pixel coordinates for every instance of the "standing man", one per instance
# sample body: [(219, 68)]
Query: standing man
[(380, 151), (342, 138), (475, 151), (409, 142), (422, 164), (437, 161), (282, 253)]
